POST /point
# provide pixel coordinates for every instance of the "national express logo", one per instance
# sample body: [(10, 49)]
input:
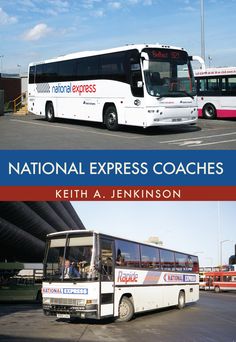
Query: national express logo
[(168, 277), (66, 88), (76, 88)]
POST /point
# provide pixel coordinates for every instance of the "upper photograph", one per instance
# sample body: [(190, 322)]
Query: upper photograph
[(117, 75)]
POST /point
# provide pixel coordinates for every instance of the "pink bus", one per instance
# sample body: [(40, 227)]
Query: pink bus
[(216, 91)]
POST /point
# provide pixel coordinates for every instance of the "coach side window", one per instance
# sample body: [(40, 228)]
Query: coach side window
[(232, 84), (167, 260), (149, 257), (32, 74), (67, 70), (87, 68), (127, 254), (39, 73), (180, 261), (112, 66), (202, 85)]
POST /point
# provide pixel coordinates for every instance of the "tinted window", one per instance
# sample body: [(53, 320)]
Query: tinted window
[(46, 72), (181, 262), (87, 68), (167, 260), (127, 253), (232, 84), (32, 74), (112, 66), (195, 264), (202, 85), (213, 84), (39, 73), (50, 72), (149, 257), (67, 70)]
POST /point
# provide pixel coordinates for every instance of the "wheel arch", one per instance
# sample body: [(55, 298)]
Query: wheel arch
[(128, 295), (106, 105), (181, 304), (217, 289), (50, 115), (46, 104), (119, 299), (127, 309)]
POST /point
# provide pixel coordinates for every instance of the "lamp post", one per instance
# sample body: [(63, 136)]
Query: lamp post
[(209, 61), (202, 31), (221, 247), (18, 66)]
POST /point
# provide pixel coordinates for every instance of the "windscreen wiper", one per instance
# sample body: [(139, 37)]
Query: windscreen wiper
[(160, 96), (186, 93)]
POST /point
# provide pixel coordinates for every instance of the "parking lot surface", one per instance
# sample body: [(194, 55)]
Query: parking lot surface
[(212, 319), (32, 132)]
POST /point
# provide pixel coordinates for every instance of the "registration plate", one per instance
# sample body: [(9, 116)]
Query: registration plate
[(176, 119), (63, 316)]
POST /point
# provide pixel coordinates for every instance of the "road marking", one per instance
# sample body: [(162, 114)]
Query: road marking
[(74, 129), (214, 143), (203, 137), (191, 143)]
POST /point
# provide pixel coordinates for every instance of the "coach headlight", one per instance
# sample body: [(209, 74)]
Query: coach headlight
[(91, 304), (91, 301), (80, 302), (46, 301)]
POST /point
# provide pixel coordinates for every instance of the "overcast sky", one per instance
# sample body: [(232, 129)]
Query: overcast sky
[(192, 227), (32, 30)]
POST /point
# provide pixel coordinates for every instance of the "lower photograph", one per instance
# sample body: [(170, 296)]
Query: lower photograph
[(126, 271)]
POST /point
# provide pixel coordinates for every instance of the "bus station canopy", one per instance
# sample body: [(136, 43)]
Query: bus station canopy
[(24, 226)]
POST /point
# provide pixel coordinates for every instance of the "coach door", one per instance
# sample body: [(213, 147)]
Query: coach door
[(107, 278)]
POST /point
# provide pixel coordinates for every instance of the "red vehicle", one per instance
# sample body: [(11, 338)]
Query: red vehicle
[(220, 281)]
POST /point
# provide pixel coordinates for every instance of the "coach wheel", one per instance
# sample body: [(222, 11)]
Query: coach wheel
[(126, 310), (111, 118), (181, 300), (217, 289), (209, 111), (50, 112)]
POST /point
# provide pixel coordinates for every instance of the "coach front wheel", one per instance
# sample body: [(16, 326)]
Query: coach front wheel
[(126, 310), (50, 112), (111, 118)]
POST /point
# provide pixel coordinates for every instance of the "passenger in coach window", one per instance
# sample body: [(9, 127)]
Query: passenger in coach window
[(74, 271), (119, 259), (70, 270)]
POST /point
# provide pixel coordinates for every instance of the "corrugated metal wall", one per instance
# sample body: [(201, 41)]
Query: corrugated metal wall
[(24, 226)]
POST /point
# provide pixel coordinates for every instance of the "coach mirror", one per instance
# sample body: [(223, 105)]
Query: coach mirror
[(145, 60)]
